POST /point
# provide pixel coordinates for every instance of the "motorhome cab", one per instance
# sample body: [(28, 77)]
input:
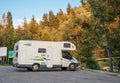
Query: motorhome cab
[(34, 55)]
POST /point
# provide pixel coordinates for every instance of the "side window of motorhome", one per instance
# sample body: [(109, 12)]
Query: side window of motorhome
[(66, 55), (16, 54), (67, 45), (17, 47), (41, 50)]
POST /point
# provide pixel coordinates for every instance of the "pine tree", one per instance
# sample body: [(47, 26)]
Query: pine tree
[(68, 8), (53, 20), (9, 42), (9, 20), (45, 21), (33, 29), (4, 19), (25, 24), (60, 13)]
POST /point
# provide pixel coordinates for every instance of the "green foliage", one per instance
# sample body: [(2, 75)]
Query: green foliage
[(102, 10), (10, 39), (106, 12), (92, 64), (118, 65), (21, 34), (7, 32), (2, 34)]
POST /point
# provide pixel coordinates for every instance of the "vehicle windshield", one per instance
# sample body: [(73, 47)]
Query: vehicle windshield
[(66, 55)]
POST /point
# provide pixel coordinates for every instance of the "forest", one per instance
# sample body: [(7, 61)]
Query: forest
[(94, 27)]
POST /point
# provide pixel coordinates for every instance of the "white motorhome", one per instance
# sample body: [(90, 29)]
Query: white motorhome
[(33, 55)]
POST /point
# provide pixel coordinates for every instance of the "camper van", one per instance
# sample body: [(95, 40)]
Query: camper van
[(33, 55)]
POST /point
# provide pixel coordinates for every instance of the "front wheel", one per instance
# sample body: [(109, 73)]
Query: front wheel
[(35, 67), (72, 67)]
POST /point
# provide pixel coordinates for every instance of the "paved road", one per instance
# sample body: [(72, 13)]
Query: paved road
[(13, 75)]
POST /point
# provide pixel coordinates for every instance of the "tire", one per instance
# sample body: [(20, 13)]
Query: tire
[(72, 67), (64, 68), (35, 67)]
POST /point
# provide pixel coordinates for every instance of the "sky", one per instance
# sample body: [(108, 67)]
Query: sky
[(28, 8)]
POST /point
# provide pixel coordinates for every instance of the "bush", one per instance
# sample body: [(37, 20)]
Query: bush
[(92, 63)]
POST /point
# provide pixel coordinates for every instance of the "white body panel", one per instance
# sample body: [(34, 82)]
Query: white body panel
[(49, 54)]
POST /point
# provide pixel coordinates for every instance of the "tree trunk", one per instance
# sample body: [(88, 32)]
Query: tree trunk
[(108, 49), (110, 58)]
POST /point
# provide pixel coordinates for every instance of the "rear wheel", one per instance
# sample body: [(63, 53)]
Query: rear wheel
[(72, 67), (35, 67)]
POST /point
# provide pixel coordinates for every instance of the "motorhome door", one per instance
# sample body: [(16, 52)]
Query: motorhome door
[(49, 57)]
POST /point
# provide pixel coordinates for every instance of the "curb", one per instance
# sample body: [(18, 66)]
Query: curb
[(105, 72)]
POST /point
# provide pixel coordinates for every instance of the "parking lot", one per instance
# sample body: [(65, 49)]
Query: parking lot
[(14, 75)]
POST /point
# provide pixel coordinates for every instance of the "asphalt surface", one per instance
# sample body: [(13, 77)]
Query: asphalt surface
[(14, 75)]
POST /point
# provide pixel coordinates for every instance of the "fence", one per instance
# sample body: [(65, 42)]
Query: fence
[(5, 60)]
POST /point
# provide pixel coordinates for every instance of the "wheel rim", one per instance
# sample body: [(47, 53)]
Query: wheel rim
[(72, 66), (35, 67)]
